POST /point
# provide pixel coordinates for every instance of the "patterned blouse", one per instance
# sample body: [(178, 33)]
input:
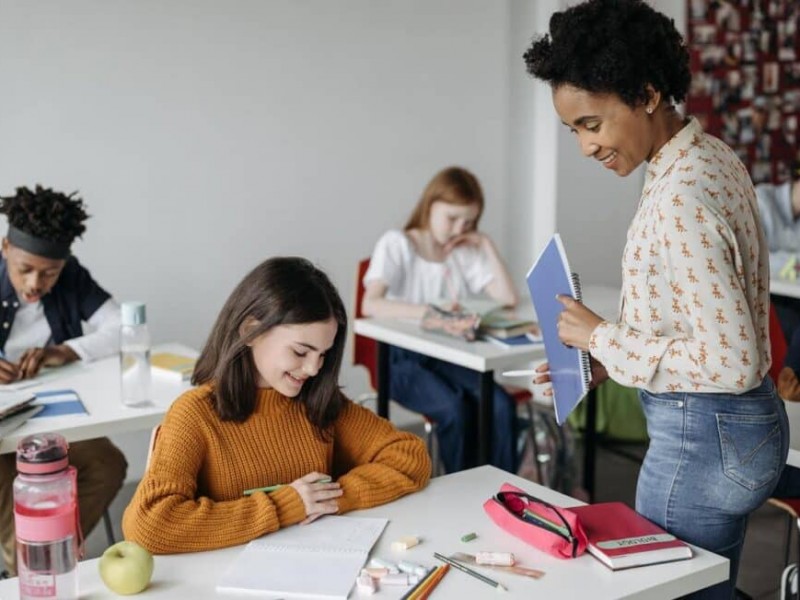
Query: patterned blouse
[(695, 273)]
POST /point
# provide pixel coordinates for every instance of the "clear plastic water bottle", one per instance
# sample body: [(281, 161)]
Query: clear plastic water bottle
[(135, 355), (46, 519)]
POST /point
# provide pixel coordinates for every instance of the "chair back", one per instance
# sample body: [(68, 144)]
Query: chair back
[(777, 343), (365, 350)]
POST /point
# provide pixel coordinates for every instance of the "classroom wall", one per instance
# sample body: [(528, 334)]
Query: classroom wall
[(207, 135)]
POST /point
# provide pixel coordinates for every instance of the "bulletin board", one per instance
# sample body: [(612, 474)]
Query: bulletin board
[(745, 61)]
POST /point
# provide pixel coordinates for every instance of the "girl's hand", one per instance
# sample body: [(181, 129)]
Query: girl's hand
[(471, 238), (318, 498), (576, 323)]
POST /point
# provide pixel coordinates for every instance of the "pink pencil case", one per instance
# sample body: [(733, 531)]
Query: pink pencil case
[(552, 529)]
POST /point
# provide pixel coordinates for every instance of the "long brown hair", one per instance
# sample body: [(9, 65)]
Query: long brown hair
[(454, 185), (279, 291)]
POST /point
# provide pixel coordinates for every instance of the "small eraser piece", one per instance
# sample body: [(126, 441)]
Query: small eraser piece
[(365, 585), (421, 571), (376, 572), (505, 559), (469, 537), (405, 542), (395, 579), (409, 567), (385, 564)]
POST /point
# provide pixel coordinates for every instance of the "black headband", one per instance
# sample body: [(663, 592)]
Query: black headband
[(36, 245)]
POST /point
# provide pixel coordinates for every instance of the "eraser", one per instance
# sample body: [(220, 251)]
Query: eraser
[(385, 564), (410, 568), (469, 537), (376, 572), (395, 579), (405, 542), (365, 585), (505, 559)]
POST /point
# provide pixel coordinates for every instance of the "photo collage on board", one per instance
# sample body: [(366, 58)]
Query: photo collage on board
[(745, 61)]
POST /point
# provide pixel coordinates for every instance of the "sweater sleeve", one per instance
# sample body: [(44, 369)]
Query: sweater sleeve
[(168, 514), (374, 462)]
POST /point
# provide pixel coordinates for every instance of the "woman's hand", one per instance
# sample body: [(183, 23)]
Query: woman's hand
[(318, 498), (33, 359), (576, 323), (599, 375)]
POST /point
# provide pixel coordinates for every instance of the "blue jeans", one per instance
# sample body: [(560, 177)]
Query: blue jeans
[(449, 395), (712, 460)]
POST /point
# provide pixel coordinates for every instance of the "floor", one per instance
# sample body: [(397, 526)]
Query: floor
[(762, 562)]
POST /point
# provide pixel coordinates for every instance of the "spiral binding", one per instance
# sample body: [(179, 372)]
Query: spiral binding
[(586, 364)]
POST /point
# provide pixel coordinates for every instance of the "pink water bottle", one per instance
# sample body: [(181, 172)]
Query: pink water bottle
[(46, 519)]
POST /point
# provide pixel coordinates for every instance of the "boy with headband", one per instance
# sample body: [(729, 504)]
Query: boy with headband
[(45, 296)]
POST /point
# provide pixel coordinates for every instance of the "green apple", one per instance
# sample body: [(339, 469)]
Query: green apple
[(126, 568)]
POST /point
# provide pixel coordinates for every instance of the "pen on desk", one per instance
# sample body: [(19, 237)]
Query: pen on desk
[(500, 587), (272, 488), (523, 373)]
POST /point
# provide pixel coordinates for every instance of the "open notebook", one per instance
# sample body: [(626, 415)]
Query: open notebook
[(570, 370), (318, 560)]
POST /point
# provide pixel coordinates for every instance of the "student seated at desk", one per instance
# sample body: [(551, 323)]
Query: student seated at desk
[(441, 254), (267, 411), (45, 295), (779, 206)]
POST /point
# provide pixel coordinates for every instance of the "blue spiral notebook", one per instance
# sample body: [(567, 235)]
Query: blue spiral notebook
[(570, 369)]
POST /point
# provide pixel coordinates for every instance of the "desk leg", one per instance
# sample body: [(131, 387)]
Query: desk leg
[(383, 380), (485, 416), (590, 443)]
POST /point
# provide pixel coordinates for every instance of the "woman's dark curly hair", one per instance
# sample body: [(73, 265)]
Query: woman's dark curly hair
[(613, 46), (45, 213)]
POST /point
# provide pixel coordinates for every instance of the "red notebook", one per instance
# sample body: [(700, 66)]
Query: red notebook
[(622, 538)]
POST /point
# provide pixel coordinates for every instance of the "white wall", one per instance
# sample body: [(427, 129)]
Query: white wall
[(208, 135)]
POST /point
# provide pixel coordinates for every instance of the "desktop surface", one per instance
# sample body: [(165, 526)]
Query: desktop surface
[(440, 515), (98, 385)]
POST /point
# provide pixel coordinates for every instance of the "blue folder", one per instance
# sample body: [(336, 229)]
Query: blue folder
[(56, 403), (570, 369)]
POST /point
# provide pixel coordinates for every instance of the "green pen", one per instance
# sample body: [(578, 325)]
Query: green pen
[(272, 488)]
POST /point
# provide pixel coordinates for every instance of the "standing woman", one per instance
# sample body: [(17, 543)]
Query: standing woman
[(693, 331)]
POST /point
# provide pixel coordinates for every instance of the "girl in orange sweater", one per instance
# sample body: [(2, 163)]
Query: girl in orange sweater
[(267, 410)]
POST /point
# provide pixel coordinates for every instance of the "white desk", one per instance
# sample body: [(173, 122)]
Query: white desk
[(480, 356), (98, 385), (781, 287), (447, 509)]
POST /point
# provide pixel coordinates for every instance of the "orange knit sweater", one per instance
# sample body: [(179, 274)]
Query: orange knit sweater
[(191, 498)]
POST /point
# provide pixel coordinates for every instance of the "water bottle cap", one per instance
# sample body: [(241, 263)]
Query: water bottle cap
[(133, 313), (42, 453)]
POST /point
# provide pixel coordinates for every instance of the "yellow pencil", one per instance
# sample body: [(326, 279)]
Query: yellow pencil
[(413, 592), (433, 583)]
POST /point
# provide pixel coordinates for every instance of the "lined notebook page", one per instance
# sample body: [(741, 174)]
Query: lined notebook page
[(318, 560)]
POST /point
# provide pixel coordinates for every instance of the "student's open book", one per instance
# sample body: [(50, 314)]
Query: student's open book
[(570, 370), (319, 560)]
